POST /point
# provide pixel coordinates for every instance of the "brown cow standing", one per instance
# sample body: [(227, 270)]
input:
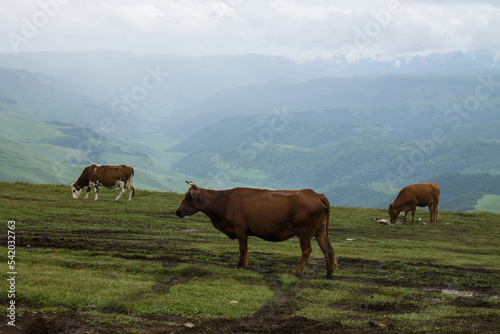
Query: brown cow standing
[(420, 194), (269, 215), (111, 177)]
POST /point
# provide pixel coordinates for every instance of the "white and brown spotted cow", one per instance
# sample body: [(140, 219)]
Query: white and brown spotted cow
[(111, 177)]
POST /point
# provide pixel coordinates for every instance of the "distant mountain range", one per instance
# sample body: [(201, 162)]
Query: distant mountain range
[(356, 132)]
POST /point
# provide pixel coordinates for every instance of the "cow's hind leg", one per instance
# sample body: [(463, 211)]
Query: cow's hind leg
[(305, 246), (326, 246), (433, 209), (130, 191), (436, 212), (431, 212), (130, 187)]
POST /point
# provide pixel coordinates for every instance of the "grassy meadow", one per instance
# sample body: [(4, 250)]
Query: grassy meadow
[(135, 267)]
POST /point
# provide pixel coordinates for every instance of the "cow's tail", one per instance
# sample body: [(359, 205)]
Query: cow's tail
[(326, 222), (326, 217), (130, 182)]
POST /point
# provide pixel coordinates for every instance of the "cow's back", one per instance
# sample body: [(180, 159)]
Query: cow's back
[(273, 215), (422, 193), (252, 201), (109, 175)]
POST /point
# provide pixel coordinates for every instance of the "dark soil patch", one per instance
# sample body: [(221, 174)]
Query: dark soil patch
[(74, 323), (390, 307), (55, 323), (473, 302)]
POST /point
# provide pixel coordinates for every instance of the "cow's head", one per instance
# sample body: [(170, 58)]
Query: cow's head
[(76, 190), (193, 201), (393, 212)]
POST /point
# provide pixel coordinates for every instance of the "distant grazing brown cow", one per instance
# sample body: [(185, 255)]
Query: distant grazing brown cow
[(420, 194), (111, 177), (270, 215)]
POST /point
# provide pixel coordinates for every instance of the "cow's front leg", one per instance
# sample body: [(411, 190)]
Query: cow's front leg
[(122, 190), (305, 245), (87, 193), (243, 240), (413, 211), (96, 188)]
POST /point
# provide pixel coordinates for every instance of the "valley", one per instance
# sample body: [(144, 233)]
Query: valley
[(256, 121)]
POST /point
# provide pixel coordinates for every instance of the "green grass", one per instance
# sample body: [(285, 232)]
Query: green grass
[(130, 265), (489, 203)]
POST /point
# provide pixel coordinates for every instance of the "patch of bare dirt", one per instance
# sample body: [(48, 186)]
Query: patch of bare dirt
[(73, 323), (55, 323)]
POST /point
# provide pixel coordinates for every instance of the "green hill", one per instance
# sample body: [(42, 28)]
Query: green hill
[(21, 163), (256, 121), (346, 160), (38, 146)]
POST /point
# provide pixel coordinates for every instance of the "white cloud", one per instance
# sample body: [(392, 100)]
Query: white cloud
[(298, 29), (142, 17)]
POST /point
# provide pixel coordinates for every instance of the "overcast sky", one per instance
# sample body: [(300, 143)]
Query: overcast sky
[(308, 29)]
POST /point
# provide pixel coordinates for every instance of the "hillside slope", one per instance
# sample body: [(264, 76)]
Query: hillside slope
[(257, 121), (354, 164), (41, 144)]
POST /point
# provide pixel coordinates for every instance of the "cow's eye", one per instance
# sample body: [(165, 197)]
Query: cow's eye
[(188, 196), (74, 190)]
